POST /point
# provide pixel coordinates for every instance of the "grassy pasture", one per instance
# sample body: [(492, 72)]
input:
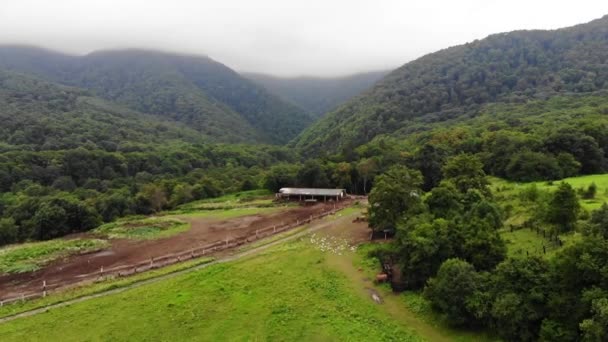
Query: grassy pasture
[(510, 190), (583, 182), (143, 228), (229, 213), (287, 293), (252, 198), (28, 257)]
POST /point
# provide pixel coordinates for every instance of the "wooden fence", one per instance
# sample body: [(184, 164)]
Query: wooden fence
[(166, 260)]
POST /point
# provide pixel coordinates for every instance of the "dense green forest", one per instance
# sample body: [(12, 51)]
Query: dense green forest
[(510, 68), (318, 95), (38, 115), (193, 90), (448, 244)]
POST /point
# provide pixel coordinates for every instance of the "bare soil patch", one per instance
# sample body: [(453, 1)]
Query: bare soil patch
[(204, 230)]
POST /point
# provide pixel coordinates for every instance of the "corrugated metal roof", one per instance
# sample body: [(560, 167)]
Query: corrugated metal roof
[(311, 192)]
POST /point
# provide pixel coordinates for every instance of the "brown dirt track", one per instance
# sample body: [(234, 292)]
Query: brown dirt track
[(79, 268)]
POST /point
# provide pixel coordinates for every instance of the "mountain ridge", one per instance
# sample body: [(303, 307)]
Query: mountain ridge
[(510, 67), (195, 90)]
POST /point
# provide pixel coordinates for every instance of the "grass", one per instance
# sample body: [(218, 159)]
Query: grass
[(583, 182), (252, 198), (230, 213), (525, 241), (98, 287), (288, 293), (29, 257), (143, 229), (273, 238), (511, 189)]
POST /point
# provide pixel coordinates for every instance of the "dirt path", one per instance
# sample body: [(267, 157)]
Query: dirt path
[(204, 230), (390, 302)]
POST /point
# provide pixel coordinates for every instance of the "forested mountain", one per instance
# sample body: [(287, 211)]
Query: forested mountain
[(318, 95), (39, 115), (508, 67), (193, 90)]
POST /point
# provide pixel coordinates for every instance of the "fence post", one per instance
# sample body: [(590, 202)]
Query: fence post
[(274, 229), (204, 250), (151, 262), (101, 271), (1, 303), (23, 297), (43, 288)]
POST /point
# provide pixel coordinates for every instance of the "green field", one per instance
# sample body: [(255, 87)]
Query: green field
[(288, 293), (143, 229), (582, 182), (228, 213), (252, 198), (522, 240), (29, 257)]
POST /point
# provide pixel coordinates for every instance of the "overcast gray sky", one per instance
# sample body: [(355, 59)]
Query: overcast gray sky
[(283, 37)]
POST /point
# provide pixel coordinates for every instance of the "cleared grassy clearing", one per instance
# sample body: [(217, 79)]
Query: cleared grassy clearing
[(512, 189), (143, 229), (29, 257), (524, 242), (230, 213), (583, 182), (287, 293), (252, 198), (518, 211)]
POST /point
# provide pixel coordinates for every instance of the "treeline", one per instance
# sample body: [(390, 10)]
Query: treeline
[(447, 244), (49, 194), (540, 140)]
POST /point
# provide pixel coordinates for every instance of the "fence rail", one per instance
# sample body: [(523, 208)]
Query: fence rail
[(167, 259)]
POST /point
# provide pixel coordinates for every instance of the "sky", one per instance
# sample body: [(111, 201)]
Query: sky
[(283, 37)]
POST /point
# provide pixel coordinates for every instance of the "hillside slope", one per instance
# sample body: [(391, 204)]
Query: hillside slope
[(194, 90), (508, 67), (39, 115), (318, 95)]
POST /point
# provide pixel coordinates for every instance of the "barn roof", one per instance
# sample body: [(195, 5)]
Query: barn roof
[(311, 191)]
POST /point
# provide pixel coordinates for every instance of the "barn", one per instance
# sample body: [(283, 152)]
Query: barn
[(311, 194)]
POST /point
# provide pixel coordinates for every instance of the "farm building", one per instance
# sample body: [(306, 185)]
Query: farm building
[(311, 195)]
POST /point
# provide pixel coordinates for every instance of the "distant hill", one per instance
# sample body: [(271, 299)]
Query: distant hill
[(194, 90), (39, 115), (318, 95), (508, 67)]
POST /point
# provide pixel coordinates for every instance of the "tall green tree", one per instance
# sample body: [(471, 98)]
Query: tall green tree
[(466, 172), (367, 169), (563, 208), (395, 194), (451, 290)]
